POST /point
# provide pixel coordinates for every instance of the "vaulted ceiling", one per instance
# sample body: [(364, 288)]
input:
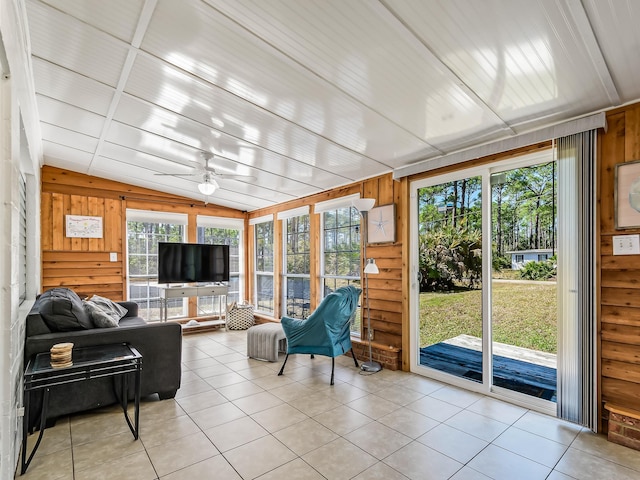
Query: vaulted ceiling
[(301, 96)]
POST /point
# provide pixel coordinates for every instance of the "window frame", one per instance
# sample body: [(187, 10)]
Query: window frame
[(257, 274), (306, 308), (158, 218), (355, 327), (222, 223)]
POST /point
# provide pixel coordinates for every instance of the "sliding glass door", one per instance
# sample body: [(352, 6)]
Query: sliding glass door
[(450, 277), (524, 307), (484, 296)]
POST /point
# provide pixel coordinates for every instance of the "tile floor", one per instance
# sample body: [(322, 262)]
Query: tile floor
[(234, 418)]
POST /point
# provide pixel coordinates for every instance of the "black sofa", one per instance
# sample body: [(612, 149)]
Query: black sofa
[(159, 343)]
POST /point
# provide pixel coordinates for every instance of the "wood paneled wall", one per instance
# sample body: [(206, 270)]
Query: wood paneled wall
[(83, 264), (385, 289), (619, 275)]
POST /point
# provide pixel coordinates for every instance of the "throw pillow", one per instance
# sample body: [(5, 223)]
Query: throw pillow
[(62, 310), (99, 318), (111, 308)]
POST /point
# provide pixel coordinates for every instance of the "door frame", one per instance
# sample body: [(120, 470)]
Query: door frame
[(486, 387)]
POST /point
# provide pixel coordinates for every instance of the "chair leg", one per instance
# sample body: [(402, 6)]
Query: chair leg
[(355, 360), (283, 364), (333, 363)]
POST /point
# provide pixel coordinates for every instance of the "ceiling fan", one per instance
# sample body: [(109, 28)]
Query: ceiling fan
[(209, 174)]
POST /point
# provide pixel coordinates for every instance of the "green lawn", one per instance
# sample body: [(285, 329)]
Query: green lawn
[(524, 315)]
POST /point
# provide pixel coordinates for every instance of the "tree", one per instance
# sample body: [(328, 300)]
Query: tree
[(450, 257)]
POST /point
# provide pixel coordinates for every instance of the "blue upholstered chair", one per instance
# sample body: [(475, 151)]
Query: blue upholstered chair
[(326, 331)]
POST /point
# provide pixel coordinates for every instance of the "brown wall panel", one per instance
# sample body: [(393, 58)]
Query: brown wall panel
[(619, 320)]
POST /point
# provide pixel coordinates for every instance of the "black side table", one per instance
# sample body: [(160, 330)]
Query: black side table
[(88, 363)]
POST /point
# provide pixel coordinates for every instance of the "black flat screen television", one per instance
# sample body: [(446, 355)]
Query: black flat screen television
[(192, 262)]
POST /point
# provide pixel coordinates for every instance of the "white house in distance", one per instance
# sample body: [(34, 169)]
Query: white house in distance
[(520, 257)]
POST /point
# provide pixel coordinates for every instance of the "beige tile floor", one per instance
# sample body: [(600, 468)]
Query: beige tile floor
[(234, 418)]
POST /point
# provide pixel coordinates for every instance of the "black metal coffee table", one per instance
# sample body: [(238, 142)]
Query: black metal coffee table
[(88, 363)]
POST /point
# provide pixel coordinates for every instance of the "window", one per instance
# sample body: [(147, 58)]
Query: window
[(223, 231), (22, 240), (296, 267), (144, 231), (341, 252), (542, 257), (519, 258), (263, 280)]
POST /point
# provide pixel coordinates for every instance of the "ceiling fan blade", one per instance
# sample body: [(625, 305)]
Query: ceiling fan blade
[(224, 176), (176, 174)]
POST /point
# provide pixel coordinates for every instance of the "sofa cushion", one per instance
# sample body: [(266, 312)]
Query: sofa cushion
[(109, 307), (99, 318), (62, 310), (132, 322), (35, 323)]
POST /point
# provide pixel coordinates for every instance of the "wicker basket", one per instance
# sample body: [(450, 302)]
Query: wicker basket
[(239, 316)]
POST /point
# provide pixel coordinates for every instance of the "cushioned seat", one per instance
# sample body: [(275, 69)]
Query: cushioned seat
[(326, 331), (265, 340)]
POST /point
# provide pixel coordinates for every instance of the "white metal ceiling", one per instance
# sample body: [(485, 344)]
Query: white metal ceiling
[(308, 95)]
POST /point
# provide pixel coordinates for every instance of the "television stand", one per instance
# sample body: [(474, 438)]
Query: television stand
[(168, 292)]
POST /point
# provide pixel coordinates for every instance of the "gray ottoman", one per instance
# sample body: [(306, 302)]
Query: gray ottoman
[(265, 340)]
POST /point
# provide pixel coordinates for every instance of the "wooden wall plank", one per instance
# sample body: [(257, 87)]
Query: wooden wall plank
[(95, 208), (66, 241), (625, 334), (377, 283), (385, 191), (57, 222), (620, 262), (620, 315), (46, 221), (621, 352), (621, 370), (620, 278), (628, 297), (75, 208), (612, 144), (113, 229), (80, 279), (632, 133), (53, 256), (620, 392)]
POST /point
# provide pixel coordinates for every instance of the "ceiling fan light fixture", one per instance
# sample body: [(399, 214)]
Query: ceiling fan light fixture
[(208, 186)]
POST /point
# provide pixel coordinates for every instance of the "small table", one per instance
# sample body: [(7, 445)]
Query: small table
[(88, 363), (167, 293)]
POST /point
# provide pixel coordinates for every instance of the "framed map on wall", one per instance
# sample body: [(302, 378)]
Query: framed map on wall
[(80, 226)]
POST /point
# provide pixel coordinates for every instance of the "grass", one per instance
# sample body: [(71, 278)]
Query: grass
[(524, 315)]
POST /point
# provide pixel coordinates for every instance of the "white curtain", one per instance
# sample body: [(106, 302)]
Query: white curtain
[(577, 362)]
